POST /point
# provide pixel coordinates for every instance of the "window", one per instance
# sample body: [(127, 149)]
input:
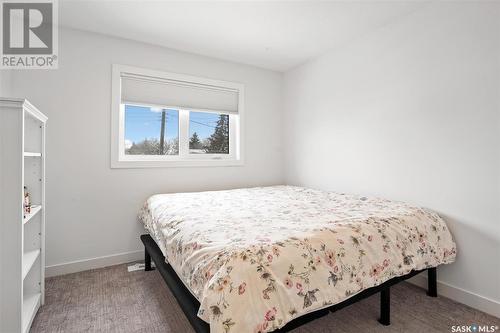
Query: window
[(165, 119), (151, 131), (208, 133)]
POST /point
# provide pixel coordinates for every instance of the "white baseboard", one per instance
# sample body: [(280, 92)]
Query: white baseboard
[(99, 262), (460, 295)]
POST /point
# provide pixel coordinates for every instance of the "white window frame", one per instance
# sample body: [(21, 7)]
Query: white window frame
[(184, 159)]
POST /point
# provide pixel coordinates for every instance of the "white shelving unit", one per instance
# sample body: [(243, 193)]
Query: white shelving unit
[(22, 236)]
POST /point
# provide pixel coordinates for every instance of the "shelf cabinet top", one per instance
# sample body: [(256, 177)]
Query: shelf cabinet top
[(26, 105)]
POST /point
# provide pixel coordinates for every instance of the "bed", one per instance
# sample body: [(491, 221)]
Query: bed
[(270, 258)]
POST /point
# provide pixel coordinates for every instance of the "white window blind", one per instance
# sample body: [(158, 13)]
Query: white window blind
[(151, 90)]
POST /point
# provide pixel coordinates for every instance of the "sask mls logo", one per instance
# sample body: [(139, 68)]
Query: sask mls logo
[(474, 328), (29, 34)]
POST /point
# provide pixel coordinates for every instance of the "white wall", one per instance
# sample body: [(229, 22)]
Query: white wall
[(411, 112), (5, 83), (91, 207)]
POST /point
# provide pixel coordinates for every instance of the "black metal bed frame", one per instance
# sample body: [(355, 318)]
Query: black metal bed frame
[(189, 304)]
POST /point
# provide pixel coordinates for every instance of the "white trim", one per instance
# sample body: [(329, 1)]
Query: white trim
[(91, 263), (183, 134), (184, 159), (115, 115), (178, 164), (460, 295)]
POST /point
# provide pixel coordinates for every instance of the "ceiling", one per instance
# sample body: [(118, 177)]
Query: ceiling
[(277, 35)]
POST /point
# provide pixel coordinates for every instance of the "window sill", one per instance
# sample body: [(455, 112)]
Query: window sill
[(127, 164)]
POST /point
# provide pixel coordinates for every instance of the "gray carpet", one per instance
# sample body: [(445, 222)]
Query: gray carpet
[(113, 300)]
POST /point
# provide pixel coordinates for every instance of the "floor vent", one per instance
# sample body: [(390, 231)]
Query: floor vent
[(138, 267)]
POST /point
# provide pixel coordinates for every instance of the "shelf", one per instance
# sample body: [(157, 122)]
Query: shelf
[(29, 259), (30, 306), (31, 154), (22, 159), (34, 210)]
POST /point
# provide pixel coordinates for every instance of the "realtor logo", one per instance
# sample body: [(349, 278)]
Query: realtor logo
[(29, 34)]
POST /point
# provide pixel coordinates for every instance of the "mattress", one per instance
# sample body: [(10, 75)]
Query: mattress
[(257, 258)]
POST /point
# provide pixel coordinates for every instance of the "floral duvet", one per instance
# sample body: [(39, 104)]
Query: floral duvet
[(257, 258)]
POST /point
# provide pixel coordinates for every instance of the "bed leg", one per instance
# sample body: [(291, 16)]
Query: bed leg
[(147, 261), (432, 282), (385, 307)]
